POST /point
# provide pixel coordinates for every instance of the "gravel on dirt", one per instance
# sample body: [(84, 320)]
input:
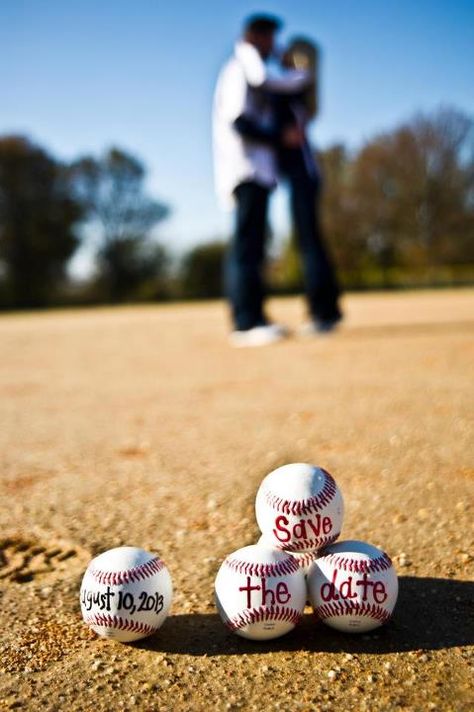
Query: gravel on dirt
[(141, 426)]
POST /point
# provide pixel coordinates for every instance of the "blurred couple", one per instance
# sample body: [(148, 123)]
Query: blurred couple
[(260, 114)]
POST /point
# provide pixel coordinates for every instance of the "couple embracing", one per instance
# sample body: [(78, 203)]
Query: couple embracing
[(259, 129)]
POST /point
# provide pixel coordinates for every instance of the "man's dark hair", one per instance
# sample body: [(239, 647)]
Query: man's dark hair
[(262, 24)]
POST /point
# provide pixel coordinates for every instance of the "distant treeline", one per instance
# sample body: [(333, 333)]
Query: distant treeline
[(397, 212)]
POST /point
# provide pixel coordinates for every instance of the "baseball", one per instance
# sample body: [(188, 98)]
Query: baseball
[(299, 507), (126, 594), (304, 558), (353, 587), (260, 592)]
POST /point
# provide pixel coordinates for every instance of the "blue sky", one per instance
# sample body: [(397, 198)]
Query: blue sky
[(78, 76)]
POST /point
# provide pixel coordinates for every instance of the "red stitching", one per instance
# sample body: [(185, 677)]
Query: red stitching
[(304, 506), (118, 622), (306, 544), (352, 608), (115, 578), (381, 563), (263, 613), (287, 566), (306, 558)]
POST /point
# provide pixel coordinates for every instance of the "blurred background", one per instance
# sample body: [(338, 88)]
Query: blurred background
[(106, 187)]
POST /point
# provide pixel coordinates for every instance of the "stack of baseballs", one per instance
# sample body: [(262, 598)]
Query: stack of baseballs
[(261, 590)]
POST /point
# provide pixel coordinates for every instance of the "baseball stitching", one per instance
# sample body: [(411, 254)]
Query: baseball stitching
[(304, 506), (138, 573), (346, 563), (287, 566), (306, 544), (305, 558), (261, 614), (351, 608), (120, 623)]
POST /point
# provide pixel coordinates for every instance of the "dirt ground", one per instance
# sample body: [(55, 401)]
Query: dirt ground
[(141, 426)]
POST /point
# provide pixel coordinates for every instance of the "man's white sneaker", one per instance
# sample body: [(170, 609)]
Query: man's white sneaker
[(258, 336), (319, 327)]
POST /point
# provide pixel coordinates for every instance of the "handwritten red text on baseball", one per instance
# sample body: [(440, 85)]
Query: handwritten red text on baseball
[(346, 588), (268, 596), (303, 529)]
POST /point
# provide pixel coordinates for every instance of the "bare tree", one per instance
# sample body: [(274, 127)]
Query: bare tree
[(404, 200), (112, 190)]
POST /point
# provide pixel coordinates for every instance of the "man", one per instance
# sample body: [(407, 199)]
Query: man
[(245, 137)]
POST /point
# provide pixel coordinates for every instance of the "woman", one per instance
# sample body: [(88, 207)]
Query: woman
[(299, 168)]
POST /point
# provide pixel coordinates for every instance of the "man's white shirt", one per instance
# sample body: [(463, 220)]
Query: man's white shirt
[(240, 90)]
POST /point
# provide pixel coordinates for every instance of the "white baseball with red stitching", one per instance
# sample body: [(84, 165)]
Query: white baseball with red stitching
[(260, 592), (126, 594), (299, 507), (353, 587), (304, 558)]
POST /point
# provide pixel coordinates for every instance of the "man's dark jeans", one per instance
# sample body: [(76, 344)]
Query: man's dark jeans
[(246, 256), (318, 272)]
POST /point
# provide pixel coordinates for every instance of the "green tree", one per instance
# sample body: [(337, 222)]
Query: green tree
[(121, 214), (38, 221), (201, 271)]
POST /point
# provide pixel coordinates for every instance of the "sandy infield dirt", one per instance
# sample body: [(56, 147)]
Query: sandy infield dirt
[(141, 426)]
